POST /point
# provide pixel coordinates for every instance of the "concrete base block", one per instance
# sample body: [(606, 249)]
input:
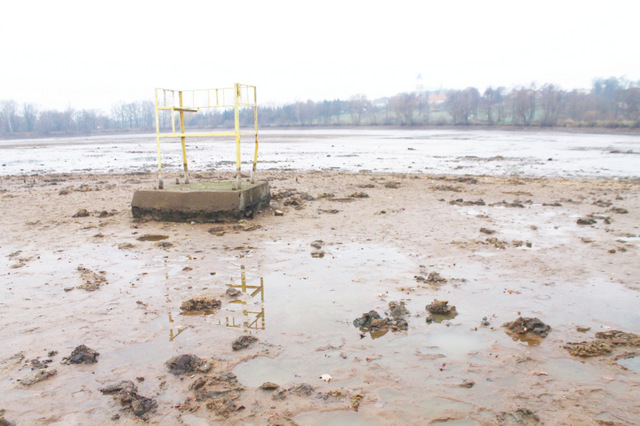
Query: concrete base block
[(201, 202)]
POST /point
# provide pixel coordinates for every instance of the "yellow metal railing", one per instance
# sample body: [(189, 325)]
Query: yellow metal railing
[(181, 101)]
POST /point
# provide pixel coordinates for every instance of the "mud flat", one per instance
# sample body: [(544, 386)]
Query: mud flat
[(556, 252)]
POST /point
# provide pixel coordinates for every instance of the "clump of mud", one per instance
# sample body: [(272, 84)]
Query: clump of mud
[(126, 393), (233, 292), (91, 280), (243, 342), (359, 195), (291, 197), (605, 343), (303, 389), (398, 310), (4, 421), (515, 204), (586, 221), (462, 202), (183, 364), (219, 393), (317, 245), (377, 326), (200, 303), (81, 355), (269, 386), (243, 225), (528, 326), (522, 416), (432, 277), (81, 213), (37, 375), (440, 310), (441, 307)]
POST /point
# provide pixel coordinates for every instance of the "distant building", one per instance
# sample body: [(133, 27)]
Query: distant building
[(437, 98), (419, 84)]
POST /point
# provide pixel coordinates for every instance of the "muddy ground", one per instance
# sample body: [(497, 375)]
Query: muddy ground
[(76, 269)]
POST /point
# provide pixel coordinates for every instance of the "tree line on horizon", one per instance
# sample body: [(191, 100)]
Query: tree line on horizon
[(612, 103)]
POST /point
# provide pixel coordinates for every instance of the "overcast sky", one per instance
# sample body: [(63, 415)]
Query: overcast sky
[(88, 54)]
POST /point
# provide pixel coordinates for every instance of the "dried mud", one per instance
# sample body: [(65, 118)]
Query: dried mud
[(412, 241)]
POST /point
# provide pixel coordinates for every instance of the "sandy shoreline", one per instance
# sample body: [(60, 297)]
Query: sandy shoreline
[(537, 262)]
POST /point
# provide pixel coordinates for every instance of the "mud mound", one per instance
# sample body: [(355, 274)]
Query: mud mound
[(243, 342), (441, 307), (398, 310), (125, 393), (218, 393), (37, 375), (186, 363), (528, 325), (589, 349), (372, 321), (81, 355), (303, 389), (440, 310), (604, 344), (201, 303), (91, 280), (619, 338)]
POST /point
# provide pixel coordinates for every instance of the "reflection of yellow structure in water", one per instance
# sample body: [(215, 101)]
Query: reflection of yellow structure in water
[(252, 320), (179, 330)]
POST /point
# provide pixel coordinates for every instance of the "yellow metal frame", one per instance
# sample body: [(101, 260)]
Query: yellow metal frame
[(181, 101)]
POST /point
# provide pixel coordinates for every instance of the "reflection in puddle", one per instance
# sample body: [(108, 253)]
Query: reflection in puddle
[(529, 339), (437, 318), (251, 319), (178, 330)]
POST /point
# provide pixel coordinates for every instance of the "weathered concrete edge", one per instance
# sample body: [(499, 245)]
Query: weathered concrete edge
[(200, 206)]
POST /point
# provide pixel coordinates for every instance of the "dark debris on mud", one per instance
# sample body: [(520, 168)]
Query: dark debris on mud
[(528, 326), (605, 343), (125, 392), (243, 342), (303, 389), (200, 303), (183, 364), (82, 355), (91, 281), (377, 326), (440, 310), (219, 393), (522, 416), (4, 421)]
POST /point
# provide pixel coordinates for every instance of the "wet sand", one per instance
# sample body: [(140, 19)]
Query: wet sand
[(117, 285)]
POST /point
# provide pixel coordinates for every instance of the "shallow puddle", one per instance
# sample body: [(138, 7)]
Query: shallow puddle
[(302, 311), (632, 364)]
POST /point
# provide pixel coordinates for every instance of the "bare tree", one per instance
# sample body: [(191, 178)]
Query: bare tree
[(493, 101), (463, 104), (550, 102), (523, 105), (357, 106), (30, 114), (404, 106), (8, 110)]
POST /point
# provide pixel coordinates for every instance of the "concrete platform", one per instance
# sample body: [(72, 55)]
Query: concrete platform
[(201, 202)]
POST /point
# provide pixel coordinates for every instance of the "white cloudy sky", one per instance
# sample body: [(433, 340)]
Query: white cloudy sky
[(89, 54)]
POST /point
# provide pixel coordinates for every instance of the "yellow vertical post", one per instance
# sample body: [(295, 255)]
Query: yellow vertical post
[(160, 183), (238, 183), (255, 121), (182, 139)]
